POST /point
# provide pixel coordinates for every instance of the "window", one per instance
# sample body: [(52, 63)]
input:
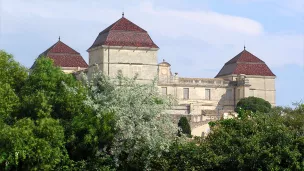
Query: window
[(229, 94), (164, 90), (186, 93), (207, 94)]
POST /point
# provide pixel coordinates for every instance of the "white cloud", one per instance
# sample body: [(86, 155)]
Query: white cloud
[(79, 22), (205, 18), (285, 7)]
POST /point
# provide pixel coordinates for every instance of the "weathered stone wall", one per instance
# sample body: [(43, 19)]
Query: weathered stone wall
[(195, 120), (69, 70), (262, 87), (219, 98), (131, 61), (257, 86)]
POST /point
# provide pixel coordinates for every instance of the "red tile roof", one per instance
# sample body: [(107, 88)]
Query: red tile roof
[(124, 33), (245, 63), (64, 56)]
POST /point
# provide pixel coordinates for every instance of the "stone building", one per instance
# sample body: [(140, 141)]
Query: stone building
[(124, 46), (65, 57)]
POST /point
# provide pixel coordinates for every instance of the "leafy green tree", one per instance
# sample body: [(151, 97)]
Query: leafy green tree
[(50, 80), (9, 102), (187, 156), (258, 142), (48, 89), (254, 104), (92, 136), (184, 125), (11, 72), (32, 145), (12, 78), (254, 141), (142, 129)]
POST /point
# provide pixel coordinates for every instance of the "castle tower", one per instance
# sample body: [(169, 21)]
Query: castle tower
[(126, 47), (252, 76), (164, 73), (65, 57)]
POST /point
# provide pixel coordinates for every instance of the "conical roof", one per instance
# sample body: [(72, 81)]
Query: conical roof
[(64, 56), (124, 33), (245, 63)]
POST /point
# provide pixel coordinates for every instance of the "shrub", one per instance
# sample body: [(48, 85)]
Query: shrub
[(184, 125), (254, 104)]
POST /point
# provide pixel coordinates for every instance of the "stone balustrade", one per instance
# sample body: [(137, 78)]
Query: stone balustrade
[(195, 81)]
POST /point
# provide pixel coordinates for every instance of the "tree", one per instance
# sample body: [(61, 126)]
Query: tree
[(50, 80), (36, 142), (254, 141), (9, 103), (254, 104), (142, 129), (187, 156), (259, 142), (54, 122), (50, 90), (32, 145), (184, 125), (11, 73)]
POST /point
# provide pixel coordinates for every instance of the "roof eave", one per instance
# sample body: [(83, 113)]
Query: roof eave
[(123, 47)]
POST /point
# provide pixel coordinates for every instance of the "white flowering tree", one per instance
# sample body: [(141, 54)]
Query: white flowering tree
[(143, 129)]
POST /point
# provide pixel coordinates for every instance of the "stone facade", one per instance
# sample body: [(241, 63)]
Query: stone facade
[(199, 99), (70, 70), (140, 62), (126, 47)]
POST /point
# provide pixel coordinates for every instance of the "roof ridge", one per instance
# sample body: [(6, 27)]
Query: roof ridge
[(239, 57), (231, 61), (59, 41), (114, 24), (47, 50), (252, 55), (106, 30), (124, 32), (110, 28), (245, 63), (142, 30)]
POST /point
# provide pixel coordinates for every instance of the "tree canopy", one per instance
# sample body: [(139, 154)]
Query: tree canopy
[(142, 129), (51, 121), (11, 73), (184, 126), (255, 141), (254, 104)]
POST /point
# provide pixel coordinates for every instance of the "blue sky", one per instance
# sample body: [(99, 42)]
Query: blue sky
[(196, 37)]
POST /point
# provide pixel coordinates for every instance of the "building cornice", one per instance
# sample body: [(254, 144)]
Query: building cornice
[(123, 47), (193, 85), (249, 76)]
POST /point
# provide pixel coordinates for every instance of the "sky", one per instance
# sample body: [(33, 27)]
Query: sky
[(196, 37)]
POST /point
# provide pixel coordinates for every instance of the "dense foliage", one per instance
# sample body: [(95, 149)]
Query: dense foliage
[(184, 126), (51, 121), (142, 130), (11, 72), (254, 104), (255, 141)]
